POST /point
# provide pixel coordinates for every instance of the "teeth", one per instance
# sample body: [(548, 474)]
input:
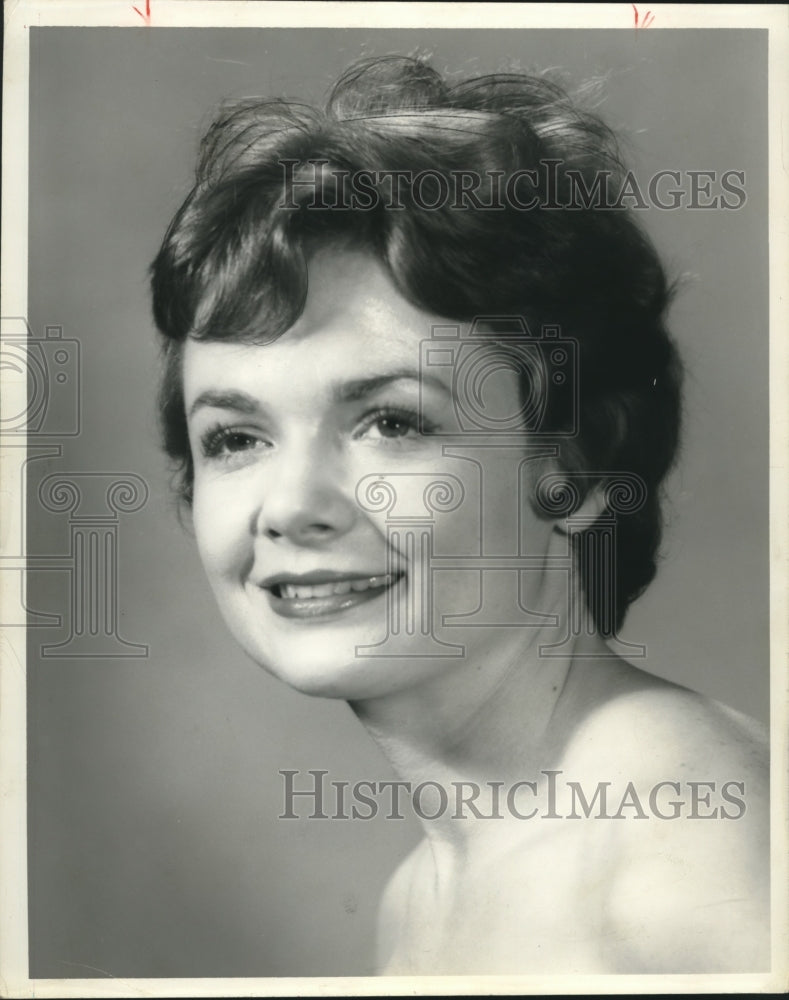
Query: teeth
[(293, 591), (370, 582)]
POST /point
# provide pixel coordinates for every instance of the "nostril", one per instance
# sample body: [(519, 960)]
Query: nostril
[(273, 533)]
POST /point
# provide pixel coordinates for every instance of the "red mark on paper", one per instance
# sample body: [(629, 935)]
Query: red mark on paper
[(147, 15), (649, 17)]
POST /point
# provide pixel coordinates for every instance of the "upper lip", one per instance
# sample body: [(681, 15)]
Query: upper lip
[(318, 576)]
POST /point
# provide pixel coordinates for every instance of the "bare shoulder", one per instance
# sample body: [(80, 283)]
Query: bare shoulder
[(658, 724), (689, 889), (393, 907)]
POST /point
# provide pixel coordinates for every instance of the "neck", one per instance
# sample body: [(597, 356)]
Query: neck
[(496, 719)]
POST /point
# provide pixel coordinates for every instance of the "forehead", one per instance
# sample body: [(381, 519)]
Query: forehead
[(355, 322)]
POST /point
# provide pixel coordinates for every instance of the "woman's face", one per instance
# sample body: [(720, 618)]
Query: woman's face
[(285, 437)]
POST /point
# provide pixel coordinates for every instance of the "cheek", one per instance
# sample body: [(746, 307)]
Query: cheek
[(221, 526), (459, 532), (496, 515)]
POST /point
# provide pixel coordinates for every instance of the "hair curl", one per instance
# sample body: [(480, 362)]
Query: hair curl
[(234, 261)]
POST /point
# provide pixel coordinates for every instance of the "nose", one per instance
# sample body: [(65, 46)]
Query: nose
[(303, 499)]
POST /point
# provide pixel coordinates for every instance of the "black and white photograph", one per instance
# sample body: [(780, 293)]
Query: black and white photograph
[(394, 550)]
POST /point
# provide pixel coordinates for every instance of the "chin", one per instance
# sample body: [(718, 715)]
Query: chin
[(328, 672), (320, 658)]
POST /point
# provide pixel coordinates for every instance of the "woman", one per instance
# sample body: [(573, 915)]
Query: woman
[(422, 398)]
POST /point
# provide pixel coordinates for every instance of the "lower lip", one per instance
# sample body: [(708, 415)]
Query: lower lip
[(321, 607)]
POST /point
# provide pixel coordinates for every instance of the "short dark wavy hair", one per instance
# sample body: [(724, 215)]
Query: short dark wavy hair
[(234, 261)]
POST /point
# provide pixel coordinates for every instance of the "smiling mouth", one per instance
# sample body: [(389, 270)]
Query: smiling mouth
[(314, 600)]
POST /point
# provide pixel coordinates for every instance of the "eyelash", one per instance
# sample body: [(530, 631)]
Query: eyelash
[(402, 415), (214, 441), (215, 438)]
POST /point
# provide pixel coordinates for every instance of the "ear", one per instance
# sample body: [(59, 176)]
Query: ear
[(583, 518), (555, 491)]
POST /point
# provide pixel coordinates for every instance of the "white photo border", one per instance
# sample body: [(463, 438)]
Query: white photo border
[(19, 17)]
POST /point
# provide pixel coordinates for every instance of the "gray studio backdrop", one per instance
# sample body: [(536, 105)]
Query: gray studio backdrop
[(154, 843)]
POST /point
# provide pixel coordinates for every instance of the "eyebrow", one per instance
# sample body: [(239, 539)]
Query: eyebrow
[(346, 392), (225, 400), (360, 388)]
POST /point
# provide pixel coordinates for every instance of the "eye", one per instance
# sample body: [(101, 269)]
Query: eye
[(227, 442), (392, 424)]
